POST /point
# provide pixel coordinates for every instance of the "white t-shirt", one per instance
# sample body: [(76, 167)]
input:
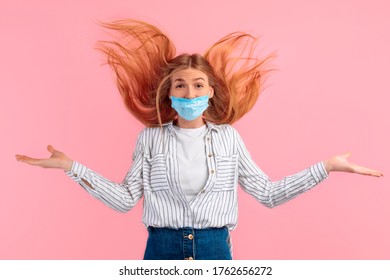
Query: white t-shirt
[(191, 156)]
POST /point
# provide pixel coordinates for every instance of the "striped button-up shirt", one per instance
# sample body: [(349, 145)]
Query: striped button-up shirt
[(154, 174)]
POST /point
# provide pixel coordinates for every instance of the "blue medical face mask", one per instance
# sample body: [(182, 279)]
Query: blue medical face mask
[(190, 109)]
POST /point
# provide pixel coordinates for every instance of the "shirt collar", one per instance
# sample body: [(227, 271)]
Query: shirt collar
[(210, 127)]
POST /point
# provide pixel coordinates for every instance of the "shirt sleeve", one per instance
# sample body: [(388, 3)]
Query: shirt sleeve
[(119, 196), (273, 193)]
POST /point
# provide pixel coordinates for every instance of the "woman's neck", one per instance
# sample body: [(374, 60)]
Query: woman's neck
[(183, 123)]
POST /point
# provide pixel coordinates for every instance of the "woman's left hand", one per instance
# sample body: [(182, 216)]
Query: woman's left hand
[(341, 163)]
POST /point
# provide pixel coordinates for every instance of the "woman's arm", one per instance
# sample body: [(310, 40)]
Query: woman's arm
[(273, 193), (119, 196)]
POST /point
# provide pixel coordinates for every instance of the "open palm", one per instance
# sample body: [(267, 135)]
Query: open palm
[(56, 160), (341, 163)]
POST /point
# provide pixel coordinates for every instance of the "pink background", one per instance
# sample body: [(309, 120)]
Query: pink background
[(330, 95)]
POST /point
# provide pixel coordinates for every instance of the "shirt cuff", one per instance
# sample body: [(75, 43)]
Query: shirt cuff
[(77, 171), (318, 172)]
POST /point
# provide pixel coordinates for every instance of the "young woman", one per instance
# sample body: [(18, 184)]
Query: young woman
[(189, 160)]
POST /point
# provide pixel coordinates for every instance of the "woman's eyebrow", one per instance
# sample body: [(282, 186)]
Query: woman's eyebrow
[(194, 80)]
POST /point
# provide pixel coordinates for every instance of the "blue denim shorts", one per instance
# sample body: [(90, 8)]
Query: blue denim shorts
[(187, 244)]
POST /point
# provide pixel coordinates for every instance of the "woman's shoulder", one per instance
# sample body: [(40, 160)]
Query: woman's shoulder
[(152, 132), (223, 128), (150, 139), (225, 131)]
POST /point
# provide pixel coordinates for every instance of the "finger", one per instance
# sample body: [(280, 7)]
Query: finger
[(20, 157), (23, 158), (366, 171), (379, 174), (50, 149), (347, 154), (29, 160)]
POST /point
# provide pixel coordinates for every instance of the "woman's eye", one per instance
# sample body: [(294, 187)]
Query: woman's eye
[(179, 86), (199, 86)]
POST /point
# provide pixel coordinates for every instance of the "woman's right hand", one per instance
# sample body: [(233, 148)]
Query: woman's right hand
[(57, 160)]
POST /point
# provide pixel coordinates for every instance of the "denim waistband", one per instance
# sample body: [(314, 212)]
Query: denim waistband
[(187, 243)]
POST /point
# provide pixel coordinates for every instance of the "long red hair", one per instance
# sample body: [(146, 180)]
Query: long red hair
[(144, 59)]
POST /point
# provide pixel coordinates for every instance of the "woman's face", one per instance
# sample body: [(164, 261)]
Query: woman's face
[(190, 83)]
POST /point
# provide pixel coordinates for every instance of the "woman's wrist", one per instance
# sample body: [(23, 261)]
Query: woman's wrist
[(67, 165), (328, 166)]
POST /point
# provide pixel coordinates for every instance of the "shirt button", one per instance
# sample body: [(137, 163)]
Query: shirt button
[(190, 237), (202, 191), (212, 171), (76, 175), (210, 155), (208, 138)]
